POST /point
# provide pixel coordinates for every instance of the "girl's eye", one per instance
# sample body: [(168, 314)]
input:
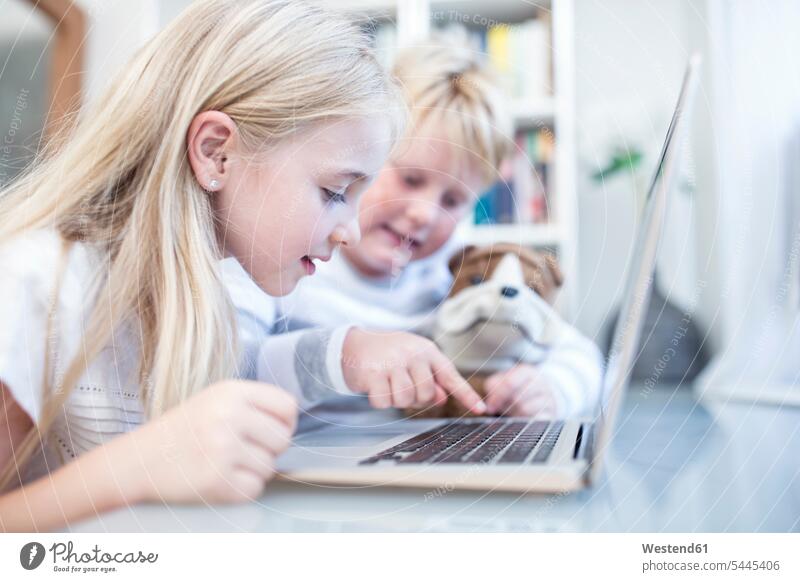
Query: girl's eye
[(336, 197)]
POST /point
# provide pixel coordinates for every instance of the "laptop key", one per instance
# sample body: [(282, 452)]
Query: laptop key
[(476, 439), (420, 440), (525, 443), (476, 442), (410, 445), (495, 444), (431, 450), (548, 443)]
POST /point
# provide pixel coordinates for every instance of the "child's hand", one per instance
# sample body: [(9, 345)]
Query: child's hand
[(218, 446), (520, 391), (403, 370)]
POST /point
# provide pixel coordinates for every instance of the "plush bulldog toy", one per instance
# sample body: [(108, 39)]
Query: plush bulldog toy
[(499, 313)]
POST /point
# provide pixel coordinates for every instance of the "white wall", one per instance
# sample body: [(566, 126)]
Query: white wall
[(116, 29), (755, 131), (630, 58)]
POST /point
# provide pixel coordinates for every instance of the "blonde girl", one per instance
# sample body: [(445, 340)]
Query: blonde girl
[(246, 129)]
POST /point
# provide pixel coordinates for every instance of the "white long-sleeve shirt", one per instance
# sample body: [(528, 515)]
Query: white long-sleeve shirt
[(307, 363)]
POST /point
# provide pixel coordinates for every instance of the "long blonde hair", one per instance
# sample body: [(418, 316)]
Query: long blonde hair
[(121, 181)]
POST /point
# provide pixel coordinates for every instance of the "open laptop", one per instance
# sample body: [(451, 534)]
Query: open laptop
[(516, 454)]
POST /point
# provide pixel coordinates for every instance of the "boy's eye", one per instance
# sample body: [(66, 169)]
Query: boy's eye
[(413, 181), (451, 200), (333, 196)]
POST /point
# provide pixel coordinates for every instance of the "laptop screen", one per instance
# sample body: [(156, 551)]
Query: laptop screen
[(640, 272)]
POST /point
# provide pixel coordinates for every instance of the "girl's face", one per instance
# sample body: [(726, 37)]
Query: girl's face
[(415, 204), (280, 211)]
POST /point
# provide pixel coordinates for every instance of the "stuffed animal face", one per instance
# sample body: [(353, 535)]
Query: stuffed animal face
[(498, 313), (476, 265)]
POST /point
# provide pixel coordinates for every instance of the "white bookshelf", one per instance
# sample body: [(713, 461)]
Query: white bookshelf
[(529, 113), (413, 19), (540, 235)]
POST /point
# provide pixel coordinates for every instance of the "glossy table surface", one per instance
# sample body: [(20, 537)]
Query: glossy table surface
[(675, 465)]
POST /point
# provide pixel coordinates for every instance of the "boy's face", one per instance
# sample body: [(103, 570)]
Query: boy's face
[(415, 203)]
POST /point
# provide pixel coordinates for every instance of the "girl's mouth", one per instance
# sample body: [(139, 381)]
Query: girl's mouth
[(308, 262), (309, 265)]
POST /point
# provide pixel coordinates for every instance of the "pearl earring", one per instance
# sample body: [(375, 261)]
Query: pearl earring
[(213, 184)]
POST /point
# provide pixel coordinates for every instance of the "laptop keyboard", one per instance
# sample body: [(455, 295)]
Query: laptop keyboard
[(468, 441)]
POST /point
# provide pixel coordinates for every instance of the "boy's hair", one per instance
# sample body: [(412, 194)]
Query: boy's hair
[(448, 83), (121, 181)]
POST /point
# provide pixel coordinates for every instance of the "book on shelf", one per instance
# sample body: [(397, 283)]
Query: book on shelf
[(523, 192), (520, 52)]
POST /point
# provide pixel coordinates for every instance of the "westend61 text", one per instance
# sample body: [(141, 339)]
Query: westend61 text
[(671, 549)]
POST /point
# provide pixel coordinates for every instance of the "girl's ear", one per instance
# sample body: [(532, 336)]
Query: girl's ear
[(209, 142)]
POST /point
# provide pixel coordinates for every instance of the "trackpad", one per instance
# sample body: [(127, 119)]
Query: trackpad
[(351, 437), (360, 436)]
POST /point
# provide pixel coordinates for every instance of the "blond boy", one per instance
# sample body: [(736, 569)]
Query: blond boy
[(397, 275)]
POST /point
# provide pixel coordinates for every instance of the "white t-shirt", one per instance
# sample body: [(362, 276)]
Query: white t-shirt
[(106, 401)]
